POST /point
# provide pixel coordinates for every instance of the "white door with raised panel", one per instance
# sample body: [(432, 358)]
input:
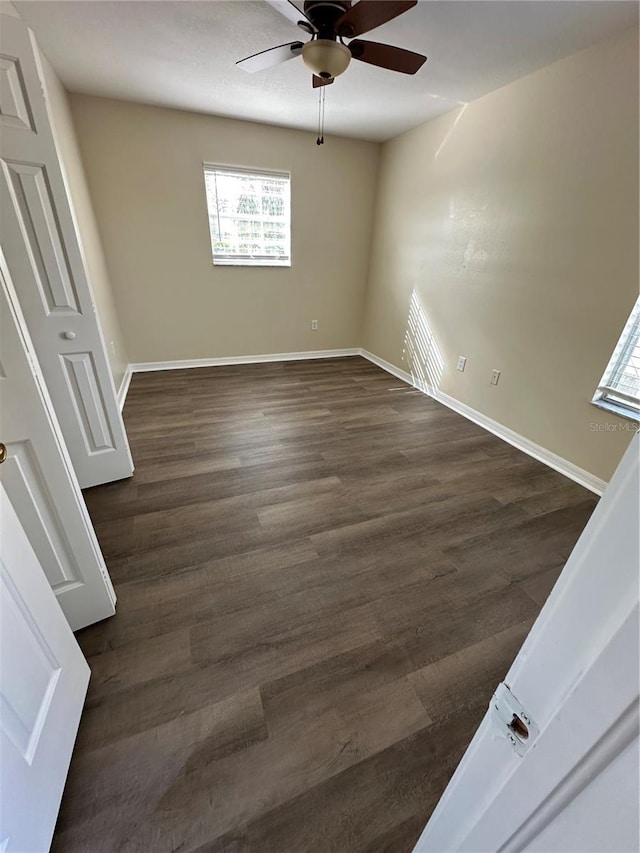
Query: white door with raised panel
[(38, 476), (43, 683), (42, 247)]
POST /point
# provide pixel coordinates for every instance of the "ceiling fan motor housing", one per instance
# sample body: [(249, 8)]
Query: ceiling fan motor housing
[(324, 14)]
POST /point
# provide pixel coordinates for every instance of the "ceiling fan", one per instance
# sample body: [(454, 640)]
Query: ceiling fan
[(329, 22)]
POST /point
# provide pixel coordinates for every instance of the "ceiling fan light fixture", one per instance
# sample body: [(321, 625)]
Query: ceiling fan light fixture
[(326, 58)]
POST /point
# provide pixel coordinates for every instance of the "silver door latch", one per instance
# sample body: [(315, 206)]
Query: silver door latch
[(511, 720)]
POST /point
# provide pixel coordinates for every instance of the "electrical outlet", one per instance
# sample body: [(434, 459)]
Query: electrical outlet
[(314, 325), (495, 376), (462, 361)]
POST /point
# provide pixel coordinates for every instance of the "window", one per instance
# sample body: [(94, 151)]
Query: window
[(619, 389), (249, 216)]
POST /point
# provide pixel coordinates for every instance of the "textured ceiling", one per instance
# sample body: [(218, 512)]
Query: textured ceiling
[(182, 54)]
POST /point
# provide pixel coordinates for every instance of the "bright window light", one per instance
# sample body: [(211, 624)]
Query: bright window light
[(619, 388), (249, 216)]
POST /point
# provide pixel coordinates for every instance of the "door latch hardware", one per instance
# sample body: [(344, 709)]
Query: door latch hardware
[(511, 720)]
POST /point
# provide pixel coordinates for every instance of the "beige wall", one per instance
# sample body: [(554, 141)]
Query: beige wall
[(87, 227), (512, 225), (144, 166)]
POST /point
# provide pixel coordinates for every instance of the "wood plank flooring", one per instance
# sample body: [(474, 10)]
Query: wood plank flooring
[(322, 575)]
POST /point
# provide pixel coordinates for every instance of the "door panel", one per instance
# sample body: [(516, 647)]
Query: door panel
[(80, 373), (39, 478), (29, 678), (33, 502), (33, 209), (14, 111), (43, 251), (44, 681)]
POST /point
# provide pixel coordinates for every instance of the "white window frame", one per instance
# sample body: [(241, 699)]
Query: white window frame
[(609, 397), (251, 260)]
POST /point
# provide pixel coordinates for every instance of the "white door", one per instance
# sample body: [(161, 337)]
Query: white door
[(44, 681), (39, 479), (557, 769), (43, 251)]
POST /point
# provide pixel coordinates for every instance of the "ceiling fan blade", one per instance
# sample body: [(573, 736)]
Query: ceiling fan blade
[(294, 13), (387, 56), (268, 58), (369, 14), (321, 81)]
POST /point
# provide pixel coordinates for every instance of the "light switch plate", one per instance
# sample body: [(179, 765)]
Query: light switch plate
[(462, 361), (495, 376)]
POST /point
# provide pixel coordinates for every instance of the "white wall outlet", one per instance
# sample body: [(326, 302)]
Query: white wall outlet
[(461, 363), (495, 376), (314, 325)]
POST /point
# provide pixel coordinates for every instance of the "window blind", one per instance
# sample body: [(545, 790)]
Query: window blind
[(249, 216), (620, 384)]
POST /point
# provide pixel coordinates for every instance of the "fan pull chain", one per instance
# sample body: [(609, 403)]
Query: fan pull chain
[(321, 94)]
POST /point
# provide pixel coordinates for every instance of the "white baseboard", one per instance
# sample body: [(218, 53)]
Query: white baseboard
[(182, 364), (390, 368), (124, 387), (563, 466)]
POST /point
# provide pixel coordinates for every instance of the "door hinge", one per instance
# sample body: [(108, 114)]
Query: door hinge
[(511, 720)]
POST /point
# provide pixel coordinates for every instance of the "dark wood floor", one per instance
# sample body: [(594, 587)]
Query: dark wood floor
[(321, 575)]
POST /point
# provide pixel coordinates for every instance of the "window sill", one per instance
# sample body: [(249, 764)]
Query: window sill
[(267, 264), (624, 412)]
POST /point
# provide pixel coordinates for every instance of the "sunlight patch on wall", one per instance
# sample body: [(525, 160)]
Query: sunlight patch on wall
[(450, 131), (420, 352)]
